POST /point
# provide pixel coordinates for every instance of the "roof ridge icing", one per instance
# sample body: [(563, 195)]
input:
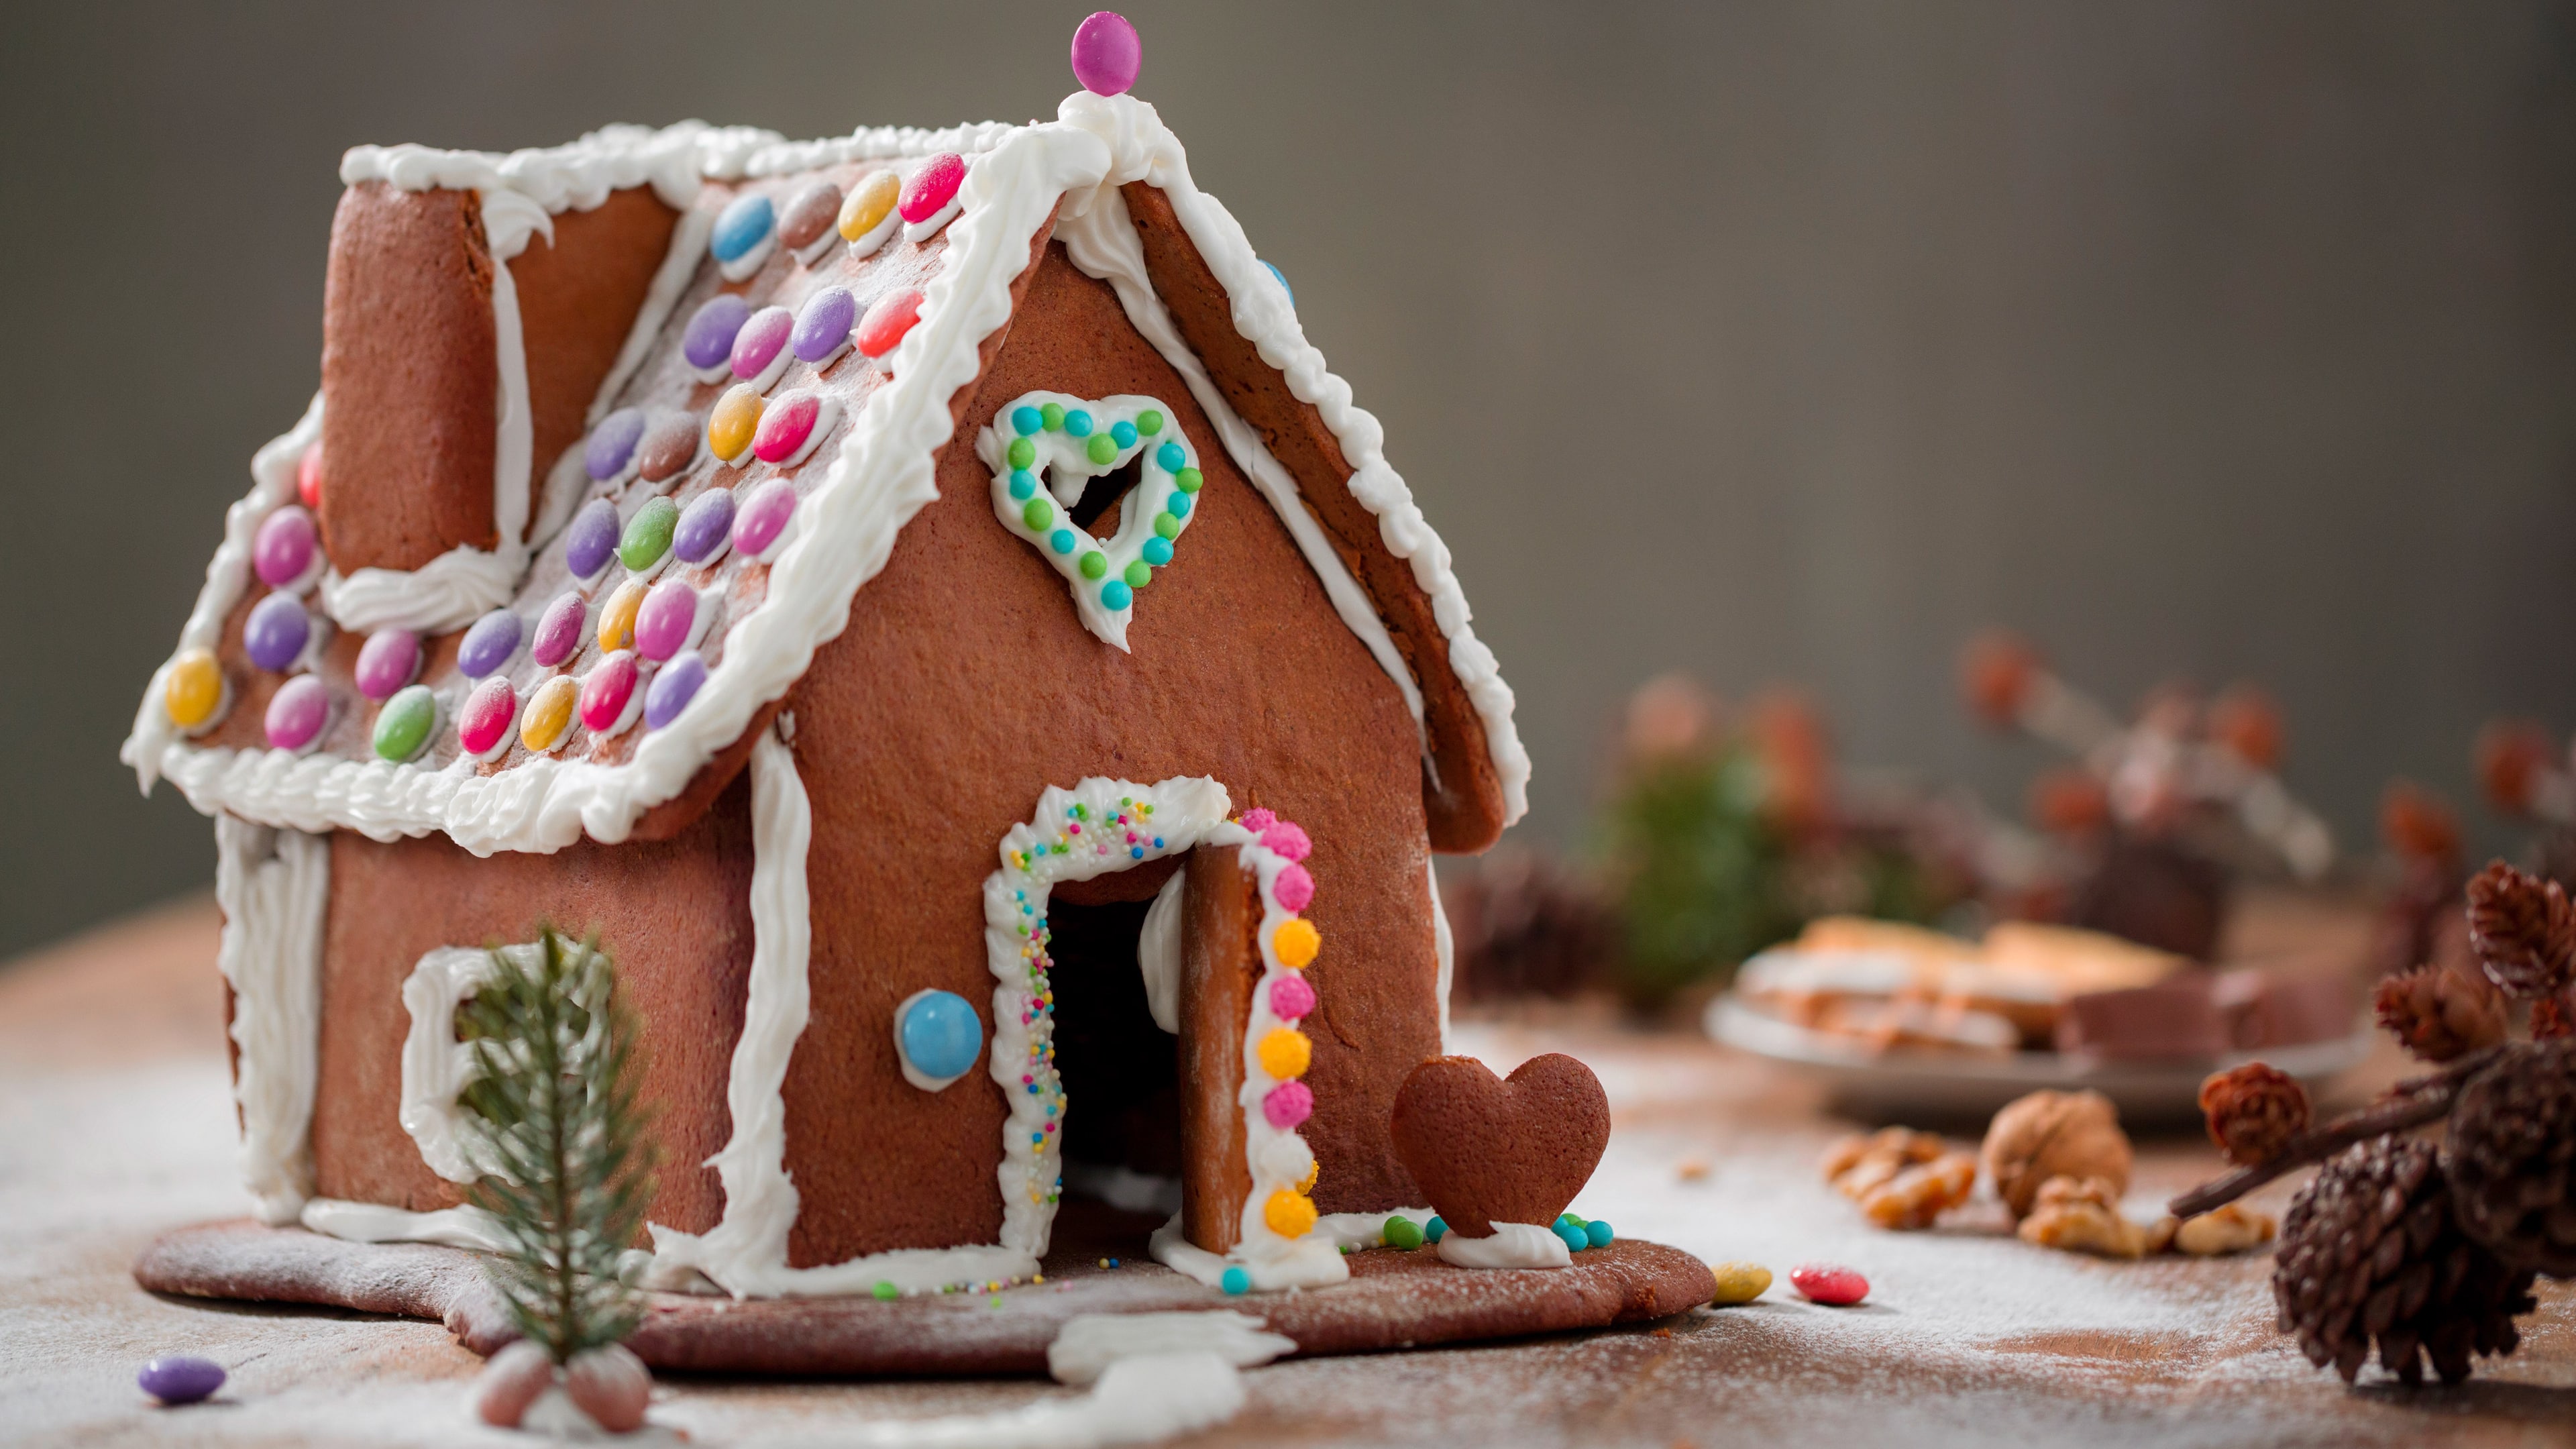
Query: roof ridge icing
[(882, 474)]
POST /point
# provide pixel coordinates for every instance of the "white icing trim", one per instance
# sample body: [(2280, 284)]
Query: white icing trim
[(1090, 1342), (867, 243), (1443, 947), (1159, 954), (367, 1222), (436, 1067), (1064, 464), (928, 227), (274, 887), (1513, 1245), (1364, 1230)]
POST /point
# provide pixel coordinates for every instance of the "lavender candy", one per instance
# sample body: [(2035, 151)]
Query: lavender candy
[(180, 1378), (823, 325), (707, 342), (559, 630), (590, 540), (673, 687), (704, 527), (490, 643), (612, 444), (276, 633)]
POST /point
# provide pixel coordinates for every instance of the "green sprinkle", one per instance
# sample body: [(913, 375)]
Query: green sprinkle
[(1052, 415), (885, 1292), (1189, 479), (648, 534), (406, 723), (1139, 574), (1102, 447), (1166, 525), (1401, 1232), (1149, 422), (1022, 452), (1038, 514), (1094, 564)]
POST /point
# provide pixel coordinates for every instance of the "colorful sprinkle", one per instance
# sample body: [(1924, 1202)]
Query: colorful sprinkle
[(483, 725), (761, 523), (932, 188), (1106, 53), (870, 207), (1235, 1280), (1289, 1214), (699, 537), (1024, 421), (1285, 1052), (741, 227), (276, 632), (308, 477), (1094, 564), (590, 540), (1115, 595), (608, 693), (612, 444), (809, 216), (1291, 999), (489, 643), (790, 429), (888, 318), (1287, 840), (1597, 1234), (708, 339), (1400, 1232), (617, 616), (673, 687), (285, 549), (1434, 1230), (823, 325), (558, 636), (648, 534), (1188, 480), (548, 721), (731, 426), (760, 350), (666, 619), (669, 445), (1296, 942), (297, 713), (388, 660), (406, 722), (1288, 1104)]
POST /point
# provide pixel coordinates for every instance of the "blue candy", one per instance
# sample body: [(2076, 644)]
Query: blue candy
[(1115, 595), (743, 224), (939, 1035), (1123, 434), (1025, 420), (1171, 457), (1434, 1230), (1236, 1280), (1158, 551), (1575, 1241), (1077, 423), (1599, 1233)]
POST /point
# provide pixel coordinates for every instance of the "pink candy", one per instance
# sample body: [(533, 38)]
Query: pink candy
[(786, 432), (664, 623), (1294, 888), (932, 187), (1288, 1104), (1291, 998), (484, 724), (1287, 840), (608, 691), (559, 630), (1829, 1283), (283, 549), (297, 712), (761, 342), (1106, 53), (763, 517), (389, 660), (1256, 820)]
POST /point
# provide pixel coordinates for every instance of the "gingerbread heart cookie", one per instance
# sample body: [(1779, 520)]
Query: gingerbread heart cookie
[(1490, 1149)]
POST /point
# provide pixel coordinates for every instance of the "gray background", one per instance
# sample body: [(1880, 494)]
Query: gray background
[(1776, 342)]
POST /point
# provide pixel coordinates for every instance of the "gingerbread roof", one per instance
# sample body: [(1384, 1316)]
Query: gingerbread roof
[(274, 709)]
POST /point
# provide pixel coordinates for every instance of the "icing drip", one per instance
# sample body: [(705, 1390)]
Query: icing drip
[(1104, 575), (436, 1067), (1364, 1230), (1513, 1245), (273, 887), (1089, 1343), (367, 1222), (1159, 954), (1443, 946)]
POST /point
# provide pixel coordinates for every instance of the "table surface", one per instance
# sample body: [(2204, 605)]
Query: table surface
[(116, 1123)]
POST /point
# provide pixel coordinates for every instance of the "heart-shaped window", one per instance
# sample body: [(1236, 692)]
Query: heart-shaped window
[(1061, 462)]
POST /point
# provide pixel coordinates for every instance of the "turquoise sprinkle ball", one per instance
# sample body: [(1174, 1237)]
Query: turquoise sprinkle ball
[(1061, 540), (1235, 1280), (1123, 434), (1599, 1233), (1078, 423), (1022, 483), (1171, 457), (1115, 595), (1575, 1241), (1434, 1230), (1158, 551), (1179, 505), (1026, 420)]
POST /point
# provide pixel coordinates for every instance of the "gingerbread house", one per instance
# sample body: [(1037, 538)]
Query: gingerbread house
[(921, 601)]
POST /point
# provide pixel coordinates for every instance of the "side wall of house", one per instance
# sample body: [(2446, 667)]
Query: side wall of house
[(965, 685)]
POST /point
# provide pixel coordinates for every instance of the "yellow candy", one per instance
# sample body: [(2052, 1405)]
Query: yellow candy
[(193, 690), (1313, 1171), (617, 619), (1289, 1214), (868, 204), (1285, 1053), (1739, 1282), (1296, 942), (549, 716), (735, 419)]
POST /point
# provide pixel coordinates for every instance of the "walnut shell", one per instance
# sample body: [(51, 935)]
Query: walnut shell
[(2055, 1134)]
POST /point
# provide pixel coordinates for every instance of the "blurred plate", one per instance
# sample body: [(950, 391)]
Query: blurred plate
[(1921, 1086)]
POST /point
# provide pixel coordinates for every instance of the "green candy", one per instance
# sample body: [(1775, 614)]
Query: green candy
[(1022, 452), (1166, 525), (1038, 514), (1102, 447), (885, 1292), (1401, 1232), (1189, 480), (1139, 574), (406, 723), (1094, 564), (1052, 415), (648, 534), (1149, 422)]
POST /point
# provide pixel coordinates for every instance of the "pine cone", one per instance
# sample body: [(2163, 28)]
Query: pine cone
[(2253, 1111), (2370, 1251), (2439, 1014), (2512, 1157), (2523, 929)]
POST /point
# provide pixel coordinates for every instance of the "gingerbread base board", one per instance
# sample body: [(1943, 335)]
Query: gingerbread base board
[(1393, 1300)]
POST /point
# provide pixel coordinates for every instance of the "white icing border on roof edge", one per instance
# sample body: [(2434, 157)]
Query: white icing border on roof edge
[(882, 475)]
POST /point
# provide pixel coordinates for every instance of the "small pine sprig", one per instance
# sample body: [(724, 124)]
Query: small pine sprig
[(560, 1129)]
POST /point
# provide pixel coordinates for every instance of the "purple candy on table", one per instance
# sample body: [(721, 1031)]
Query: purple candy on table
[(276, 633), (823, 324), (387, 661), (180, 1378), (490, 643), (282, 550), (761, 339), (764, 516), (703, 525), (558, 636), (708, 339), (673, 688), (590, 540), (612, 443)]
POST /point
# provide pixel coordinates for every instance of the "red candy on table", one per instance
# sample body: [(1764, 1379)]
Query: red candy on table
[(1829, 1283)]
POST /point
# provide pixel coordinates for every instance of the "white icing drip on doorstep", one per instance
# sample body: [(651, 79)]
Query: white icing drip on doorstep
[(274, 887), (1513, 1245), (1090, 1342), (367, 1222)]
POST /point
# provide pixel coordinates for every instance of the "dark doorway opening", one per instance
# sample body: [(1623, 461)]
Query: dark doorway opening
[(1122, 1120)]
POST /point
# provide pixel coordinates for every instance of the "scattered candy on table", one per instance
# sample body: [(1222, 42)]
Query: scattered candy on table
[(707, 342), (590, 540), (180, 1378), (405, 723), (1401, 1232), (1106, 53), (1434, 1230), (388, 660), (297, 713), (1829, 1283), (1739, 1283)]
